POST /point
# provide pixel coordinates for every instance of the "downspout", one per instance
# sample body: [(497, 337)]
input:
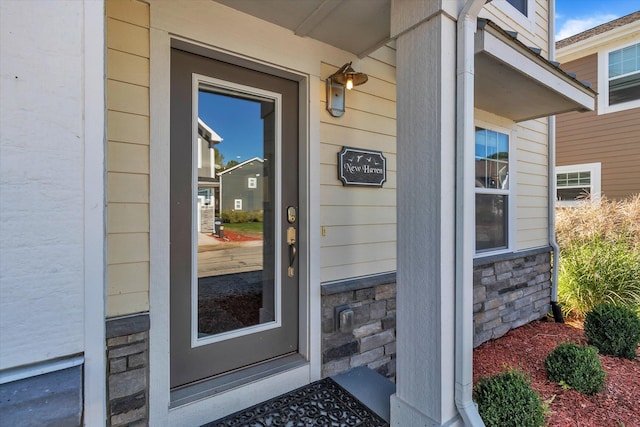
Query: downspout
[(551, 131), (465, 212)]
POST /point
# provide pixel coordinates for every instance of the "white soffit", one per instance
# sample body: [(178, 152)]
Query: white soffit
[(515, 82), (357, 26)]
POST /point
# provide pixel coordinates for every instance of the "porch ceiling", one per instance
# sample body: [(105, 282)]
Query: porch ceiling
[(513, 81), (356, 26)]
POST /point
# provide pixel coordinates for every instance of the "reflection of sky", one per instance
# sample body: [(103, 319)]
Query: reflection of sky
[(238, 123), (489, 142)]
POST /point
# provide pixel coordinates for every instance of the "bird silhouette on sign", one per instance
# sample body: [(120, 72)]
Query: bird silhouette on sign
[(369, 159), (359, 157)]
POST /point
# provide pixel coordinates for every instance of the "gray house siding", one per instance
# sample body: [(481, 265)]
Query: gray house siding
[(234, 185)]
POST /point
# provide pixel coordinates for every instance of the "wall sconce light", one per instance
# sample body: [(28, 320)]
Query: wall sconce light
[(347, 77)]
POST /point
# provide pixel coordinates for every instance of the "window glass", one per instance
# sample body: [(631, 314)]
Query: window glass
[(492, 159), (521, 5), (624, 74), (491, 221), (573, 185), (492, 189)]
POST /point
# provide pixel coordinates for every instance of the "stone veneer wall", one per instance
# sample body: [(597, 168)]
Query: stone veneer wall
[(368, 337), (510, 290), (128, 370)]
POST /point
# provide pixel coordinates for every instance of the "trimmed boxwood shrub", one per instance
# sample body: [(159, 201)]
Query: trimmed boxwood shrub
[(614, 330), (507, 400), (576, 366), (235, 217)]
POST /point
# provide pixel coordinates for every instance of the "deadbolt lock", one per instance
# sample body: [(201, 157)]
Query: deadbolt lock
[(291, 214)]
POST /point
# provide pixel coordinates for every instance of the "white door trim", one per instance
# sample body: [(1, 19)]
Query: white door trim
[(210, 408)]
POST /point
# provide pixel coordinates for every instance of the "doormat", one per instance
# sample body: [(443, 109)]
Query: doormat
[(322, 403)]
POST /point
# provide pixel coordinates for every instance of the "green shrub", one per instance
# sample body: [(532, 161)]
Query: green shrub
[(507, 399), (256, 216), (598, 271), (235, 217), (614, 330), (577, 367)]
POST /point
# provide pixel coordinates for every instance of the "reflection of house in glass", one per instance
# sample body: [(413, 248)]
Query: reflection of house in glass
[(208, 185), (241, 186)]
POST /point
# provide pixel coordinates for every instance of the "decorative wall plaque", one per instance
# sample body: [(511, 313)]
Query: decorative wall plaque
[(362, 167)]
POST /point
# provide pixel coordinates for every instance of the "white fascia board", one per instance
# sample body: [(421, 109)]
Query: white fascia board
[(535, 70), (593, 44), (239, 165), (214, 135)]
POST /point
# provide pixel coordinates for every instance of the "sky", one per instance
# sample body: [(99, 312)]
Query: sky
[(576, 16), (237, 122)]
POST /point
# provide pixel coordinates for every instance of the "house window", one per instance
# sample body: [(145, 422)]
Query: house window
[(619, 79), (577, 183), (521, 5), (252, 182), (492, 190), (237, 204), (624, 74)]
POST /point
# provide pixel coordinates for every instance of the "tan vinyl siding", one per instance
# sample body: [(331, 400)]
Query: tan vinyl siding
[(359, 223), (532, 30), (612, 139), (531, 223), (127, 157), (531, 184)]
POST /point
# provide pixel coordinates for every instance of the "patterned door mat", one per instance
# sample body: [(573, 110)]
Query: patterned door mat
[(322, 403)]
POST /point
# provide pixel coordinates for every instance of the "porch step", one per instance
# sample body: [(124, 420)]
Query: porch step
[(369, 387), (328, 402)]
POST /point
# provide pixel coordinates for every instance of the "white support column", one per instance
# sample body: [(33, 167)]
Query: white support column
[(426, 93)]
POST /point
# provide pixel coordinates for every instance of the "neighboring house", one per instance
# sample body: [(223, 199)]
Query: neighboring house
[(241, 186), (598, 153), (208, 184), (100, 310)]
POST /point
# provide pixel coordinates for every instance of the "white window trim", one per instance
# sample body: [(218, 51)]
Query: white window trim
[(596, 180), (526, 22), (511, 192), (252, 182), (603, 82)]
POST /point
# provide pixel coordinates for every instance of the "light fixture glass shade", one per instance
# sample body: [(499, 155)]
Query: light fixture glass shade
[(345, 77), (347, 74)]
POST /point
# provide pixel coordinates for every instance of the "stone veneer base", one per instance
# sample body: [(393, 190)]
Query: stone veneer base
[(128, 370)]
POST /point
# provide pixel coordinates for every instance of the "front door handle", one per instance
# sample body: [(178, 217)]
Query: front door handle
[(291, 241)]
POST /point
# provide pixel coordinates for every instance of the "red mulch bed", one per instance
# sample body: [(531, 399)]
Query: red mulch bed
[(528, 346), (230, 236)]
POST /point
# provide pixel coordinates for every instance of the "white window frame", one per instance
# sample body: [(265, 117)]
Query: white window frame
[(252, 182), (237, 204), (511, 192), (525, 21), (603, 82), (595, 169)]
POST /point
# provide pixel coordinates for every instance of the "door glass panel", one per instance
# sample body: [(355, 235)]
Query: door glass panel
[(236, 290)]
